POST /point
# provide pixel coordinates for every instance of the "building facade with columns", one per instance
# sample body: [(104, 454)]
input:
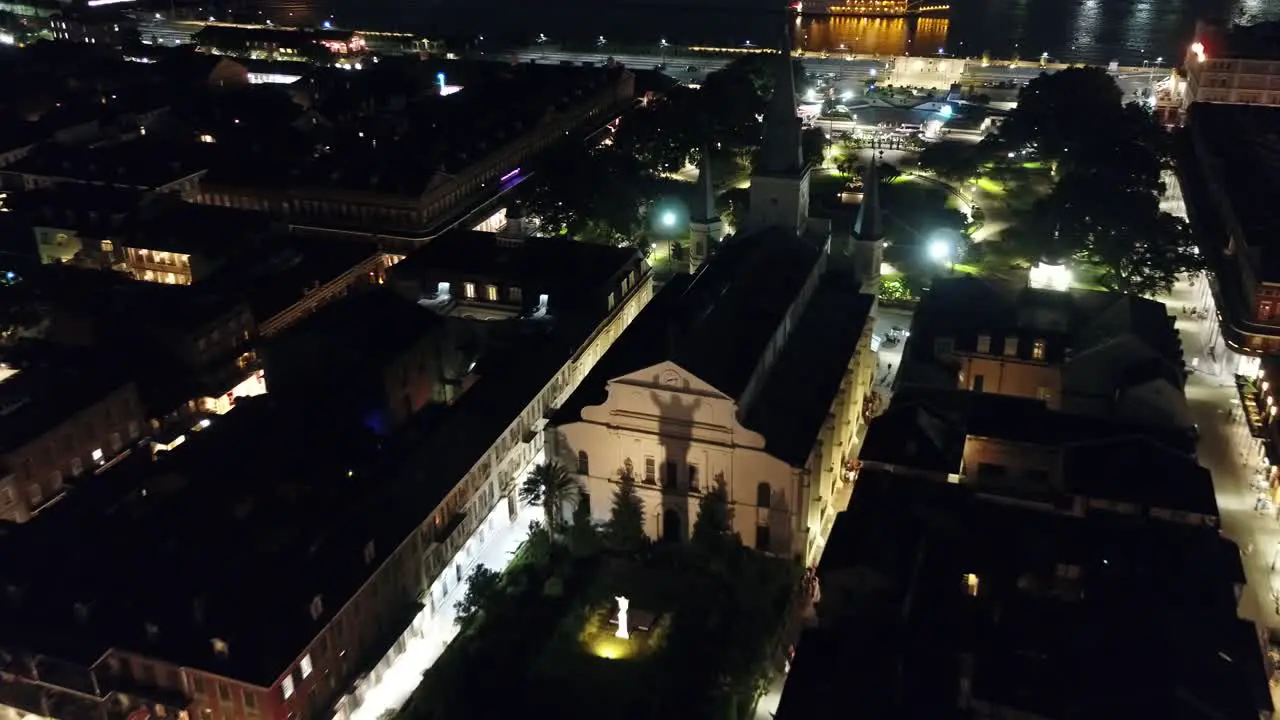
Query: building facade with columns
[(751, 375)]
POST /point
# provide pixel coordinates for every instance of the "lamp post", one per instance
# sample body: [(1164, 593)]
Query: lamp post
[(662, 48), (940, 251)]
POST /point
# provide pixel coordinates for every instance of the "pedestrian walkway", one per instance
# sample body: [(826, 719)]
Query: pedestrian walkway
[(1211, 395), (403, 677)]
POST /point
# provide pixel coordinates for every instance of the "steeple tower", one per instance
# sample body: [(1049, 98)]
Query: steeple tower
[(705, 228), (867, 243), (780, 182), (869, 227)]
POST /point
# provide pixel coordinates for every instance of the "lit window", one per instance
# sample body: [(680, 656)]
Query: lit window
[(108, 246), (515, 295), (306, 666), (469, 291), (984, 344), (286, 687), (491, 293), (1037, 350), (613, 299), (97, 455), (971, 584)]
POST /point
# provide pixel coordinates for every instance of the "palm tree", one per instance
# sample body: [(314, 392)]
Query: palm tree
[(552, 486)]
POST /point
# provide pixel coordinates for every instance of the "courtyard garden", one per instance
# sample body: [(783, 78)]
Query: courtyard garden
[(598, 622)]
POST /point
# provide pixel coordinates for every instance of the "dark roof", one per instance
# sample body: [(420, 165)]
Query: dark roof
[(369, 327), (1071, 614), (116, 300), (49, 388), (795, 401), (1139, 470), (141, 163), (271, 491), (205, 230), (1242, 146), (557, 265), (275, 280), (967, 309), (414, 139), (925, 428), (715, 324)]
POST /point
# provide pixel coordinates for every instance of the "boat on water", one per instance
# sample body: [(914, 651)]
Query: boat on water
[(870, 8)]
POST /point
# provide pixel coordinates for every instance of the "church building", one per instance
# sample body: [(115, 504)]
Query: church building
[(751, 372)]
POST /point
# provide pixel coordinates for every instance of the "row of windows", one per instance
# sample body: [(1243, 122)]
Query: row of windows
[(1010, 347)]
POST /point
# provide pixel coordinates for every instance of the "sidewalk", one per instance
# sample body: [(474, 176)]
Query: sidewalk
[(1210, 397)]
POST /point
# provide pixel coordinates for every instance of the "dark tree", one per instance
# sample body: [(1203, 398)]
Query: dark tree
[(953, 161), (625, 530), (483, 585), (814, 143), (550, 485), (712, 531), (1064, 112), (584, 539)]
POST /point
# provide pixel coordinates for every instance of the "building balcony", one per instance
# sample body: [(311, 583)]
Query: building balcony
[(443, 532)]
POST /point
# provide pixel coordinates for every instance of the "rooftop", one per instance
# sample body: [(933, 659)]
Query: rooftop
[(143, 163), (925, 428), (274, 281), (962, 601), (794, 403), (737, 300), (42, 387), (557, 266), (384, 114), (369, 327), (1242, 143), (272, 523)]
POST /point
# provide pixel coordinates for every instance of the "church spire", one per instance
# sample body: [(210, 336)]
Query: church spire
[(781, 153), (705, 228), (869, 227)]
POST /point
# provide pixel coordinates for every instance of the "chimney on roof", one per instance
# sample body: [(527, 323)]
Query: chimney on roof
[(517, 228)]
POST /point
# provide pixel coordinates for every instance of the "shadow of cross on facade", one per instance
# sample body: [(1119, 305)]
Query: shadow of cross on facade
[(676, 411)]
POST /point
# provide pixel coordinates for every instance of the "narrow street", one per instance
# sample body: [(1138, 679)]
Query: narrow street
[(1211, 397)]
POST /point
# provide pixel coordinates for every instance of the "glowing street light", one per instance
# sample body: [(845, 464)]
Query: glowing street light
[(669, 219), (940, 250)]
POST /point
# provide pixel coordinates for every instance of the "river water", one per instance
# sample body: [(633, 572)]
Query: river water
[(1130, 31)]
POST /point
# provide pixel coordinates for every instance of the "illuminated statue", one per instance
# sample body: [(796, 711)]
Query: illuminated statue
[(623, 605)]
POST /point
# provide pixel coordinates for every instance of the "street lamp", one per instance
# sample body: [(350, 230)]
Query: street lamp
[(600, 41), (940, 250), (669, 219), (662, 45)]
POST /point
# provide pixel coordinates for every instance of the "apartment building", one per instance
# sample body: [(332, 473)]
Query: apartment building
[(1238, 65)]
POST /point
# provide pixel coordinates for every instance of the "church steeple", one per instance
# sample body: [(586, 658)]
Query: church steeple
[(705, 228), (867, 246), (869, 227), (780, 181), (781, 151)]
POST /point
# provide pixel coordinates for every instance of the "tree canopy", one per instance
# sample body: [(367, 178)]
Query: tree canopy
[(550, 485), (625, 529), (483, 584), (1109, 160)]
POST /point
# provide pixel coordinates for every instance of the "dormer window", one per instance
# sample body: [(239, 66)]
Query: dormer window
[(1037, 350), (491, 293), (515, 295), (220, 647), (984, 344), (152, 630), (317, 607), (469, 290), (1010, 346), (368, 553)]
